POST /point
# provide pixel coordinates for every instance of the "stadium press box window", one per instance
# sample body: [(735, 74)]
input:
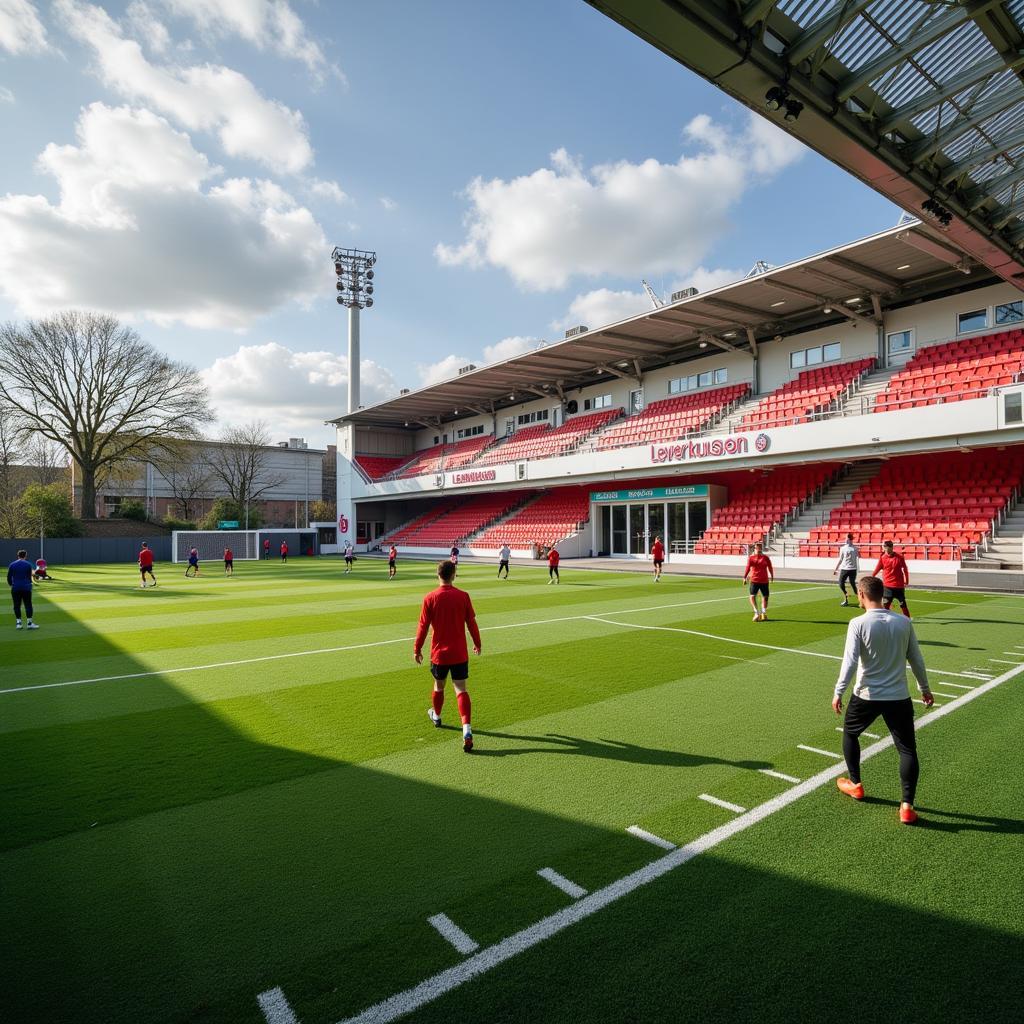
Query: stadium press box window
[(696, 381), (815, 355), (975, 320), (1009, 313), (470, 431), (1012, 408), (598, 402)]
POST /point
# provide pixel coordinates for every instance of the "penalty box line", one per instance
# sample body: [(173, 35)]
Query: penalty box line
[(744, 643), (357, 647), (487, 959)]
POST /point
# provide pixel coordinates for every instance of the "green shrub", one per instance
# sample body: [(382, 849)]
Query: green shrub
[(179, 524), (133, 510)]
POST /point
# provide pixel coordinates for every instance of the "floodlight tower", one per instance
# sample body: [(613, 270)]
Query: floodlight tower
[(354, 268)]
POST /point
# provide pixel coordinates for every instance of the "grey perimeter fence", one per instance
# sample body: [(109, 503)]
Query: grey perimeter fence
[(85, 550)]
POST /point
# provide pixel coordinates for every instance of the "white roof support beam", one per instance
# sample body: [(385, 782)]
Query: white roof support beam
[(616, 372), (918, 39), (982, 156), (839, 15), (934, 143), (752, 342), (950, 88), (869, 273)]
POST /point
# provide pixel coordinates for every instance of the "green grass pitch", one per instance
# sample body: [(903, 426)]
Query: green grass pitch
[(242, 792)]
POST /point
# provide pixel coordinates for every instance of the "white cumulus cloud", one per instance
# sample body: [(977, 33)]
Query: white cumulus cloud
[(204, 97), (144, 25), (6, 96), (388, 203), (21, 31), (507, 348), (267, 24), (328, 190), (155, 238), (295, 392), (603, 306), (621, 218)]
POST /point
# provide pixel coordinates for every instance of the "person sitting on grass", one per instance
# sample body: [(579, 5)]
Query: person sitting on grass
[(40, 572)]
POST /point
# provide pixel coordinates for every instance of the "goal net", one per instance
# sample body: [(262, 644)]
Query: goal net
[(211, 544)]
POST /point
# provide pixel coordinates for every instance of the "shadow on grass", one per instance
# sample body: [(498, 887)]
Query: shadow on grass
[(955, 821), (611, 750)]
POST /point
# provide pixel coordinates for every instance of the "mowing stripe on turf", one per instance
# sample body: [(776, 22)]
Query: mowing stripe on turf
[(779, 775), (650, 837), (427, 991), (735, 808), (818, 750), (563, 883), (358, 647), (275, 1007), (449, 930)]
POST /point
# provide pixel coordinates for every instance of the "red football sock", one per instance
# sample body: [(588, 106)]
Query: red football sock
[(465, 707), (437, 697)]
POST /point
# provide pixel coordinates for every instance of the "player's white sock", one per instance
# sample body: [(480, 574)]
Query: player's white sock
[(467, 730)]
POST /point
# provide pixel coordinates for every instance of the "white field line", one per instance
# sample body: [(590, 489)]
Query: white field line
[(818, 750), (778, 775), (451, 932), (922, 703), (1015, 654), (275, 1007), (1003, 661), (650, 837), (563, 883), (357, 647), (733, 640), (948, 696), (959, 686), (735, 808), (974, 674), (873, 735), (487, 959)]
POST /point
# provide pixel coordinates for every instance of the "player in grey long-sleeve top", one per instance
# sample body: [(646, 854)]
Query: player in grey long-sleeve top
[(879, 646)]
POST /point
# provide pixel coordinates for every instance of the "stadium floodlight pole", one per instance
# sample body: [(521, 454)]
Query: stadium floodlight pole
[(354, 271)]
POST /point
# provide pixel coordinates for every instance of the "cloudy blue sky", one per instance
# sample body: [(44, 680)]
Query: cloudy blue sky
[(188, 165)]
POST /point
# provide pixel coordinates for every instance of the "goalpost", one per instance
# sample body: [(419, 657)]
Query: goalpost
[(244, 544)]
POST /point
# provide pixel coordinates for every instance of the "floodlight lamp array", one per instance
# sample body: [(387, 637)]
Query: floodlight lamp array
[(354, 271)]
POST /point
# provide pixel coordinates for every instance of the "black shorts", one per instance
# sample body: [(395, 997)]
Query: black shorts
[(348, 559), (659, 562), (758, 588), (229, 563), (897, 594), (848, 576), (503, 564), (391, 563), (145, 568), (459, 672)]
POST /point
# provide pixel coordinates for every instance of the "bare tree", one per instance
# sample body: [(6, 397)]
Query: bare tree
[(46, 460), (93, 386), (241, 463), (188, 476), (12, 476)]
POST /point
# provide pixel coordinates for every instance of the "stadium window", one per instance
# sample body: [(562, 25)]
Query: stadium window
[(798, 359), (678, 385), (437, 440), (975, 320), (900, 341), (1012, 409), (471, 431), (704, 379), (833, 350), (721, 376), (1010, 313), (814, 356), (603, 402)]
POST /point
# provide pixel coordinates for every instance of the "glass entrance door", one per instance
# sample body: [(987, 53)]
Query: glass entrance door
[(637, 530), (655, 524), (620, 540)]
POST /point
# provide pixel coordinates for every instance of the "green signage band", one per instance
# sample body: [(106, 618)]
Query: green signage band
[(227, 524), (649, 493)]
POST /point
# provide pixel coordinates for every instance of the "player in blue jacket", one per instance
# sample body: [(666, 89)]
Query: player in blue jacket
[(19, 579)]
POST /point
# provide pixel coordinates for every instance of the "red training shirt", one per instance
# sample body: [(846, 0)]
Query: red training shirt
[(450, 612), (392, 551), (893, 568), (758, 568), (228, 556), (146, 558), (658, 551), (553, 557), (284, 548)]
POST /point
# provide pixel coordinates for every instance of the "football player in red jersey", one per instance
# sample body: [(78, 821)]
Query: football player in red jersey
[(449, 612)]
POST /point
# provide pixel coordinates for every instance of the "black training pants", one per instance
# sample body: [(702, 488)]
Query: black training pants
[(22, 597), (899, 719)]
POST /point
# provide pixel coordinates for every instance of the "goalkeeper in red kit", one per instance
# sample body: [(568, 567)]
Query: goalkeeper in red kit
[(449, 612)]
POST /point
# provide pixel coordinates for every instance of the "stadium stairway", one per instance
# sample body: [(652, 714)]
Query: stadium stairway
[(862, 400), (816, 513), (416, 523), (1005, 547)]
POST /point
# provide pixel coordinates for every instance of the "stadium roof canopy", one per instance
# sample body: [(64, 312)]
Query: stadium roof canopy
[(921, 99), (856, 282)]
